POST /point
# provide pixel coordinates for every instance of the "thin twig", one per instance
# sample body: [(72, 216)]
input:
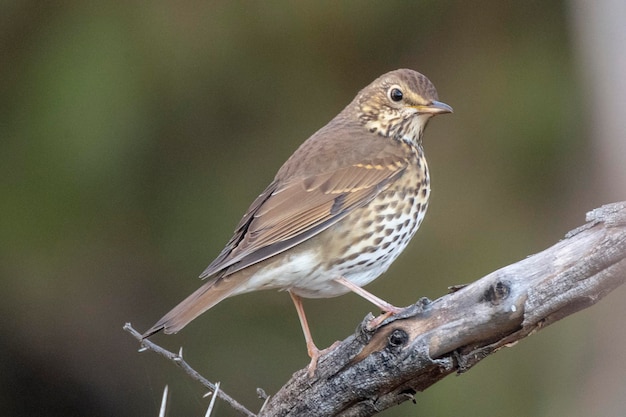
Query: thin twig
[(163, 402), (212, 403), (178, 360)]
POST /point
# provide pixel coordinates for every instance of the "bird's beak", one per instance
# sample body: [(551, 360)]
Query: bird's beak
[(435, 107)]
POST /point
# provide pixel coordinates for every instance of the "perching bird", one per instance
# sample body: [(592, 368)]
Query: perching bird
[(339, 211)]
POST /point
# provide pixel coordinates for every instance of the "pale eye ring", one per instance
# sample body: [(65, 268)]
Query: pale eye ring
[(395, 94)]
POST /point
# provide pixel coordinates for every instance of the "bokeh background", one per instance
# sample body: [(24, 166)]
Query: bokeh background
[(134, 135)]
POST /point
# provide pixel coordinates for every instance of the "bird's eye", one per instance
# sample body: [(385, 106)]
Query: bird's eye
[(395, 94)]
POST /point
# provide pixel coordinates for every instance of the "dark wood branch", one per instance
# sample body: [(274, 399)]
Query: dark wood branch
[(372, 371)]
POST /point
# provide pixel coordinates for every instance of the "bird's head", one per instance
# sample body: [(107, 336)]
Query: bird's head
[(398, 105)]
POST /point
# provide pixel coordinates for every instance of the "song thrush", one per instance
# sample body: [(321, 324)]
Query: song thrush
[(339, 211)]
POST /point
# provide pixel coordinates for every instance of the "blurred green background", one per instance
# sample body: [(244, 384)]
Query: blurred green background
[(134, 135)]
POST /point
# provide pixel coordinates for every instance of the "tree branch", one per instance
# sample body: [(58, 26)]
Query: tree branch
[(370, 372), (374, 370)]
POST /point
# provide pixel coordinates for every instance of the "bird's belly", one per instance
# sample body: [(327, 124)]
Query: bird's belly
[(305, 274)]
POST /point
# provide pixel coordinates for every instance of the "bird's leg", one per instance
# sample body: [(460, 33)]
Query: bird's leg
[(378, 302), (313, 351), (388, 309)]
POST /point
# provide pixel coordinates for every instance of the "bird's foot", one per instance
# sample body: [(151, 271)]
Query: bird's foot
[(315, 354), (374, 323), (398, 313)]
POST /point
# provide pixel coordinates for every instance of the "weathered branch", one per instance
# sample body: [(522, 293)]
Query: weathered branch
[(374, 370), (369, 372)]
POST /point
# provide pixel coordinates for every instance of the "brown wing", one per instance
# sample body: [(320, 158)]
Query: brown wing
[(289, 212)]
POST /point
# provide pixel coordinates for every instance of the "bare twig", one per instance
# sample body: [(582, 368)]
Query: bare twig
[(212, 403), (163, 402), (374, 370), (178, 360)]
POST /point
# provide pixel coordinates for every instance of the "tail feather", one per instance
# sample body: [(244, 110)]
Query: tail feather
[(191, 307)]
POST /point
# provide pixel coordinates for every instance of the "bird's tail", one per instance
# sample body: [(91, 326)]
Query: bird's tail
[(191, 307)]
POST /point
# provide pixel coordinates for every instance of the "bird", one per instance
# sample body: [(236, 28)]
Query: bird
[(337, 214)]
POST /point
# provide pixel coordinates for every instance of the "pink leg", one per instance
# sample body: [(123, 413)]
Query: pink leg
[(389, 310), (378, 302), (313, 351)]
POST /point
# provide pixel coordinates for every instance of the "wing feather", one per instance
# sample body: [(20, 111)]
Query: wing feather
[(289, 212)]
